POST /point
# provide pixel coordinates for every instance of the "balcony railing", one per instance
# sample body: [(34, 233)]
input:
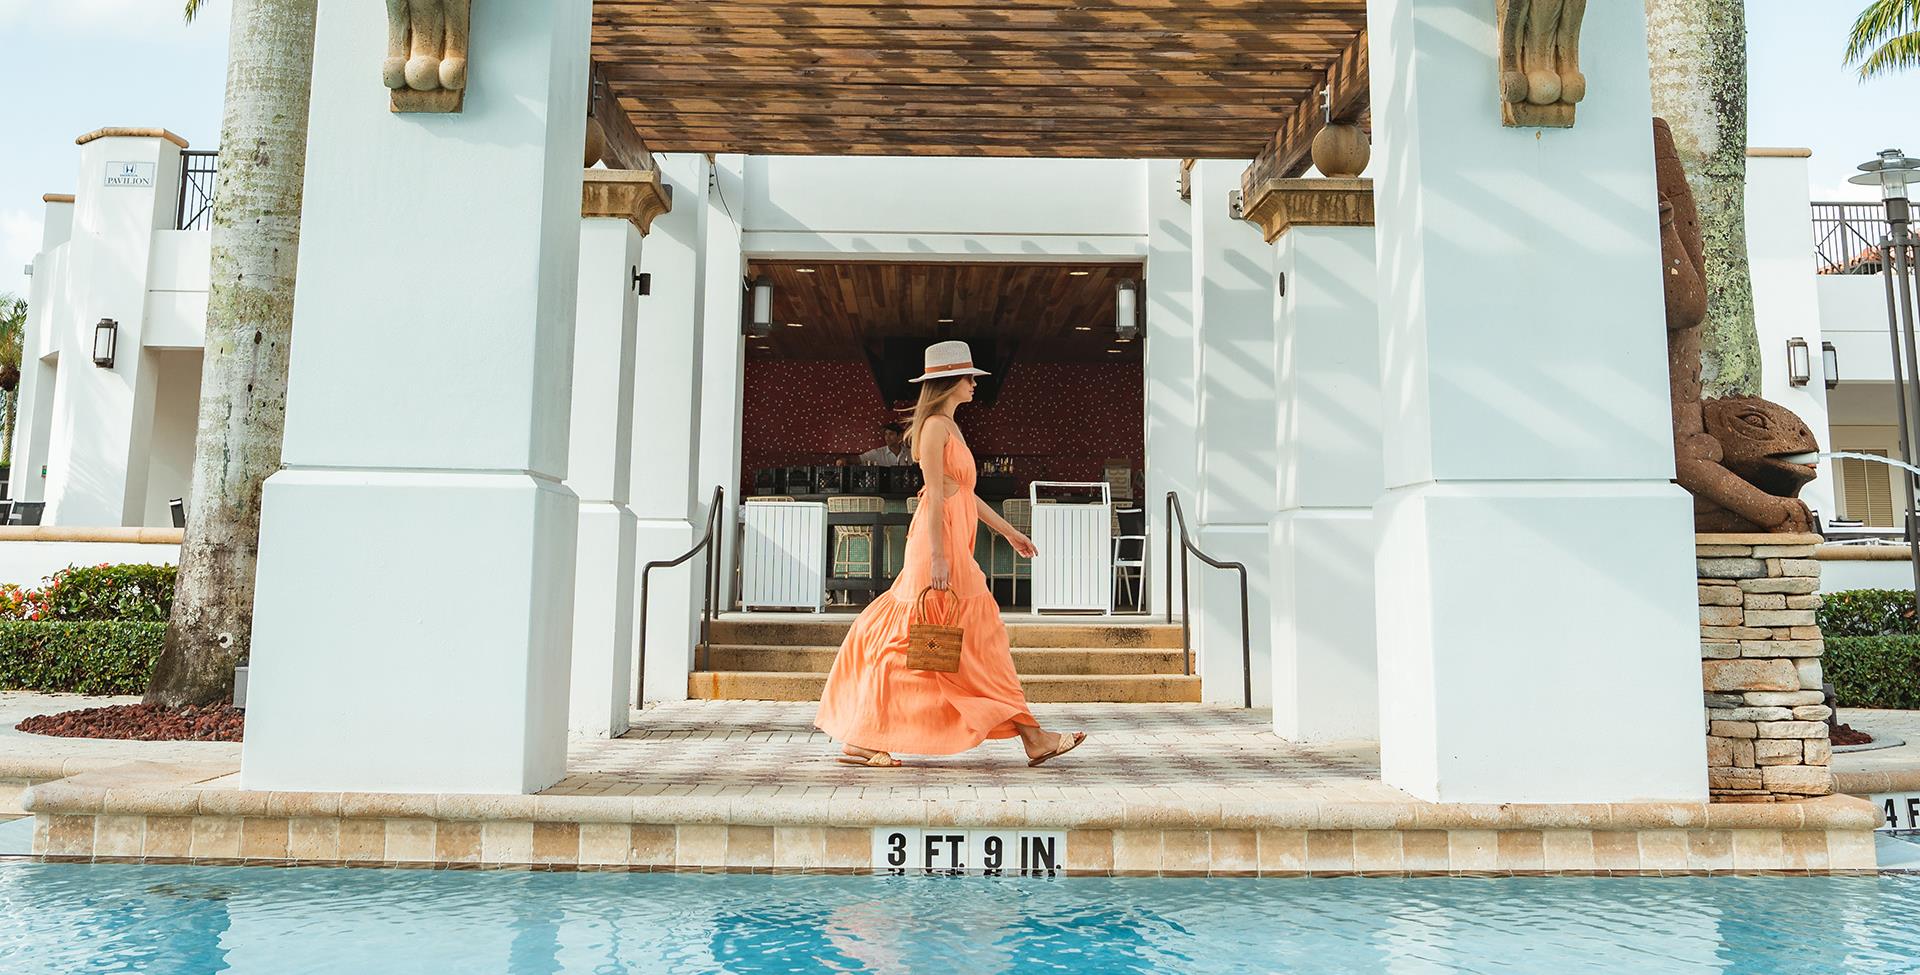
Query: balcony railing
[(199, 174), (1846, 237)]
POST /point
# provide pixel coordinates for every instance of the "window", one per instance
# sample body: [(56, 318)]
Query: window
[(1868, 490)]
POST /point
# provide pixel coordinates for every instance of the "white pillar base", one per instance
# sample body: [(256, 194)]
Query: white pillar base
[(1519, 663), (673, 615), (1324, 683), (470, 573), (1216, 603), (603, 593)]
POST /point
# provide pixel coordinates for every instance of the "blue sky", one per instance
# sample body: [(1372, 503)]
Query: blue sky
[(69, 66)]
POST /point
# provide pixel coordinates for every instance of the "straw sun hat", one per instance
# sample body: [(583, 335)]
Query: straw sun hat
[(948, 360)]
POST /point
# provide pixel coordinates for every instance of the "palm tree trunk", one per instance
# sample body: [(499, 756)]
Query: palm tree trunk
[(1699, 54), (243, 384)]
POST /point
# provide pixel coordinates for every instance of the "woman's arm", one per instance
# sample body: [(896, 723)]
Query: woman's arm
[(933, 469), (1021, 543)]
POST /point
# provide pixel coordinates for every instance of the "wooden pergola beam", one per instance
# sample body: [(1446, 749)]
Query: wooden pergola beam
[(1348, 98), (624, 148), (1096, 78)]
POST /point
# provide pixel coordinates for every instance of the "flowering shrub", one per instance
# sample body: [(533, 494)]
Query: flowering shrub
[(17, 603), (104, 593)]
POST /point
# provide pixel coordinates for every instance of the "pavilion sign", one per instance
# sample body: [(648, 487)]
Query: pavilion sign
[(129, 174)]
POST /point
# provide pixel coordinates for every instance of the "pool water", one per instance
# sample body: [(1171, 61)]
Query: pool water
[(60, 918)]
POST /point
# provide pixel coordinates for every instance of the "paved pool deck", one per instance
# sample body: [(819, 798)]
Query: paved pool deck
[(715, 785)]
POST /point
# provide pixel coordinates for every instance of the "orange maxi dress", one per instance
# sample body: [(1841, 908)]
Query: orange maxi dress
[(874, 701)]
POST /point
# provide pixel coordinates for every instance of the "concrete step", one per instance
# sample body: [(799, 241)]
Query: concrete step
[(722, 685), (802, 632), (1027, 660)]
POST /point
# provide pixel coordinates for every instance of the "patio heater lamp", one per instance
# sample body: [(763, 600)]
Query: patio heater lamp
[(1799, 362), (106, 336), (1830, 364), (760, 324), (1126, 310), (1892, 171)]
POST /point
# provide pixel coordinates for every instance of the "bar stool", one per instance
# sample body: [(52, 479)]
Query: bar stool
[(1019, 514), (853, 544)]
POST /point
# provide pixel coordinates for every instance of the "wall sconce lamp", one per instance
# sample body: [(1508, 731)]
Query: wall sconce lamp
[(760, 323), (1799, 368), (106, 337), (1126, 310), (1830, 364)]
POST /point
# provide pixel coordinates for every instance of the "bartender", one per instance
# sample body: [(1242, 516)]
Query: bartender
[(894, 453)]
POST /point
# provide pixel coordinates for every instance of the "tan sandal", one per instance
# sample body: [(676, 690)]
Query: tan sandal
[(875, 760), (1078, 737)]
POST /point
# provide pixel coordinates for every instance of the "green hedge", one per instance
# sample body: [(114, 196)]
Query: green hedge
[(1867, 612), (1874, 671), (100, 657)]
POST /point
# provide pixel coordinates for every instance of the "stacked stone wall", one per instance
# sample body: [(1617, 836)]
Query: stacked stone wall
[(1760, 647)]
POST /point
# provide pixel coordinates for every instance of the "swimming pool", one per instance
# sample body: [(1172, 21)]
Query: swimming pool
[(152, 919)]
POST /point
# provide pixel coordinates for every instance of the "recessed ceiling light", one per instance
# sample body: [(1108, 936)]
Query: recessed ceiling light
[(1078, 274), (946, 321), (804, 270), (1123, 340), (795, 325), (1083, 328), (1114, 351)]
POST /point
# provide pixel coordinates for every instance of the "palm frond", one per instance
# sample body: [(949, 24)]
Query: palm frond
[(193, 9), (1880, 21), (1897, 54)]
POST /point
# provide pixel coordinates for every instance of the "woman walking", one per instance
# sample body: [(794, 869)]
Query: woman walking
[(874, 704)]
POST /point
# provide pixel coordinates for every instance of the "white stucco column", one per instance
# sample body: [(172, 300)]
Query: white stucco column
[(40, 352), (1786, 301), (723, 355), (618, 205), (1538, 631), (1327, 366), (98, 452), (413, 619), (1171, 366), (1235, 433), (666, 430)]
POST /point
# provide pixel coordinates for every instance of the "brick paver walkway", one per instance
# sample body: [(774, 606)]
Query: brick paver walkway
[(1171, 751)]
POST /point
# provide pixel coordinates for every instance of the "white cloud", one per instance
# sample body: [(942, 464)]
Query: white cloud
[(19, 241)]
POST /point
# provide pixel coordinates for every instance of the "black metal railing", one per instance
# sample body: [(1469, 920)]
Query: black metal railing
[(199, 175), (1847, 236), (1178, 517), (710, 542)]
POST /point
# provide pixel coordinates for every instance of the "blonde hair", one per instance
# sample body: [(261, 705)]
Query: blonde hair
[(934, 395)]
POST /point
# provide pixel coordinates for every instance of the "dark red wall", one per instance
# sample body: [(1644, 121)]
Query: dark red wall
[(1063, 419)]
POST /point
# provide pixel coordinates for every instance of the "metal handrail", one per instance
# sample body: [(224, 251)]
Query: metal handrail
[(710, 583), (1847, 237), (1178, 516), (199, 177)]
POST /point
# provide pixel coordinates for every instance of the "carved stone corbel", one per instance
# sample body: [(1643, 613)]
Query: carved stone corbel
[(1540, 79), (635, 195), (1279, 205), (426, 64)]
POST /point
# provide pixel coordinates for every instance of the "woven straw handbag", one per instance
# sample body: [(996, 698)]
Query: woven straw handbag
[(932, 645)]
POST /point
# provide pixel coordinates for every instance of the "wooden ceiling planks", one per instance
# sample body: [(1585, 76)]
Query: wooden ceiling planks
[(1107, 78), (1048, 311)]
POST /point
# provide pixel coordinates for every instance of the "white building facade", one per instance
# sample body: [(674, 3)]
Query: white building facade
[(1377, 418)]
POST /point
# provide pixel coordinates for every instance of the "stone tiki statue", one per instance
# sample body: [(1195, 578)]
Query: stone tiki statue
[(1743, 459)]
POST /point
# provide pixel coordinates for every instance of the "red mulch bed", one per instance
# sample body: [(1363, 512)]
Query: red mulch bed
[(139, 722), (1843, 735)]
